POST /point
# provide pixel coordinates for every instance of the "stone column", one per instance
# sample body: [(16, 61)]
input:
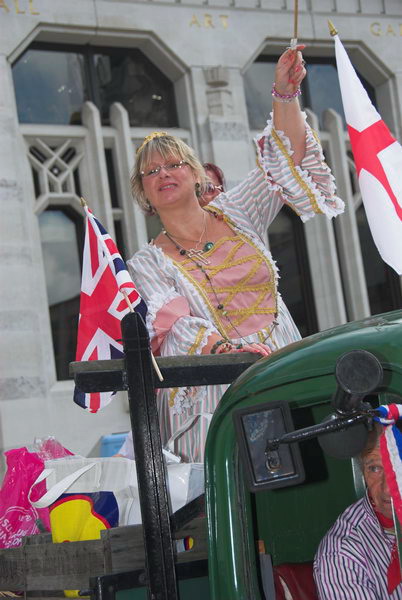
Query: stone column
[(349, 249), (222, 119), (26, 359)]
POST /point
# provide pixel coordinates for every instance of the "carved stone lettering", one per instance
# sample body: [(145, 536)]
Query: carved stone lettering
[(195, 21), (207, 21), (32, 10), (17, 8), (389, 30), (21, 7), (224, 20), (375, 29)]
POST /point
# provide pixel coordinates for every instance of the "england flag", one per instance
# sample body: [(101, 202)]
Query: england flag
[(102, 305), (378, 159)]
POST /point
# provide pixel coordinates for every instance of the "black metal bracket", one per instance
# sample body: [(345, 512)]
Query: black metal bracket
[(158, 543), (177, 371), (337, 424)]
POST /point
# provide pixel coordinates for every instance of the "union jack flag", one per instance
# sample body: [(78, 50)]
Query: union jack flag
[(102, 305)]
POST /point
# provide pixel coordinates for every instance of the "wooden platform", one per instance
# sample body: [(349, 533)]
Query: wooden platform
[(41, 565)]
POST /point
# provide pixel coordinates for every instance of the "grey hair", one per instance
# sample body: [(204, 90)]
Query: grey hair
[(168, 146)]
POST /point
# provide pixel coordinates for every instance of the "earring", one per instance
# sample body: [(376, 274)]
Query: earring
[(149, 208), (198, 190)]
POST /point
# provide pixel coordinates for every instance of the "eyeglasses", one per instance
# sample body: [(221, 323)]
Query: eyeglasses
[(210, 188), (171, 166)]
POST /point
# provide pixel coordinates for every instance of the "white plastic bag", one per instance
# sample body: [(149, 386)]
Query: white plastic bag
[(90, 476), (79, 475), (185, 483)]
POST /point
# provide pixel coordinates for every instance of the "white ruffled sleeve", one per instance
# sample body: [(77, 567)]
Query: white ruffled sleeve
[(173, 330), (308, 189)]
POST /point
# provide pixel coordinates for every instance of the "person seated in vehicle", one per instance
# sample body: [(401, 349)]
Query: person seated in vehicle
[(358, 557)]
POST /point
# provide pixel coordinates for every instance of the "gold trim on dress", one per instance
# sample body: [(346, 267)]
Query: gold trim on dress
[(187, 267), (315, 135), (197, 285), (192, 350), (297, 176)]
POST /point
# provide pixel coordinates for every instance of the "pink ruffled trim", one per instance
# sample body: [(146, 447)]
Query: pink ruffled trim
[(166, 317)]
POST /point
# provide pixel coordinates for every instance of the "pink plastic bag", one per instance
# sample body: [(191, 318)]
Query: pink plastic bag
[(18, 517)]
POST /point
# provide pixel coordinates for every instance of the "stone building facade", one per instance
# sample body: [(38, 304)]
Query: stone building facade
[(80, 86)]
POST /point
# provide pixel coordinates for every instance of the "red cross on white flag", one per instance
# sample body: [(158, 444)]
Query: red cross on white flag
[(378, 159)]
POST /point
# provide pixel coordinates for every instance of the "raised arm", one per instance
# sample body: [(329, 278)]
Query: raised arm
[(287, 115)]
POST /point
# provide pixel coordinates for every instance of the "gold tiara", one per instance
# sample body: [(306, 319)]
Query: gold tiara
[(154, 134)]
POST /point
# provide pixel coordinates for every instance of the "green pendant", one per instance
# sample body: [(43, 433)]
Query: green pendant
[(208, 246)]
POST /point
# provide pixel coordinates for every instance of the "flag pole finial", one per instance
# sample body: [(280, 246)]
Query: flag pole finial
[(83, 202), (332, 29)]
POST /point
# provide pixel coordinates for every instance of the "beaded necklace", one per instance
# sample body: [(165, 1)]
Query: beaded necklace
[(193, 252), (195, 255)]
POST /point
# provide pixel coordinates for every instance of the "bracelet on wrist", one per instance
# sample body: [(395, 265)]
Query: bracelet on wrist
[(284, 97), (224, 348), (214, 347), (228, 347)]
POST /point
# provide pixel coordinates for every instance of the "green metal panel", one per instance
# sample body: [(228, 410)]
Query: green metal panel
[(292, 520)]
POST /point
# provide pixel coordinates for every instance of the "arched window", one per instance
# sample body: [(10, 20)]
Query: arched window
[(320, 89), (61, 232), (288, 247), (52, 82)]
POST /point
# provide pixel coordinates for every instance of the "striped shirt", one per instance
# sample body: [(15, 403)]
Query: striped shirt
[(353, 558)]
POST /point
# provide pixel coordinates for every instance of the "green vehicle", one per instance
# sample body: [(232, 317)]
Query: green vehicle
[(261, 525), (291, 520)]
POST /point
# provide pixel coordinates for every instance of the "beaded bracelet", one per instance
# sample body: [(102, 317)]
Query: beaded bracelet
[(284, 97), (215, 346), (222, 346)]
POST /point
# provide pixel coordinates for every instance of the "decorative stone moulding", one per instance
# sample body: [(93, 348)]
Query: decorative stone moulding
[(220, 102), (217, 76)]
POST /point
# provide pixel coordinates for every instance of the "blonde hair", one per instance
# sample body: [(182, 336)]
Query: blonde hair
[(168, 146)]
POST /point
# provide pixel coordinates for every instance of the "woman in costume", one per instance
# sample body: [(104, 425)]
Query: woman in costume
[(208, 280)]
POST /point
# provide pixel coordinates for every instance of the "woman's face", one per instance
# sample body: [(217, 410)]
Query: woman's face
[(168, 182), (215, 190)]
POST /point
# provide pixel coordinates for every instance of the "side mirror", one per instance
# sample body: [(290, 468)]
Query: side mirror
[(267, 468)]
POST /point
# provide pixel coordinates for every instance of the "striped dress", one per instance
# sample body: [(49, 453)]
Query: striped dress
[(181, 314), (353, 558)]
